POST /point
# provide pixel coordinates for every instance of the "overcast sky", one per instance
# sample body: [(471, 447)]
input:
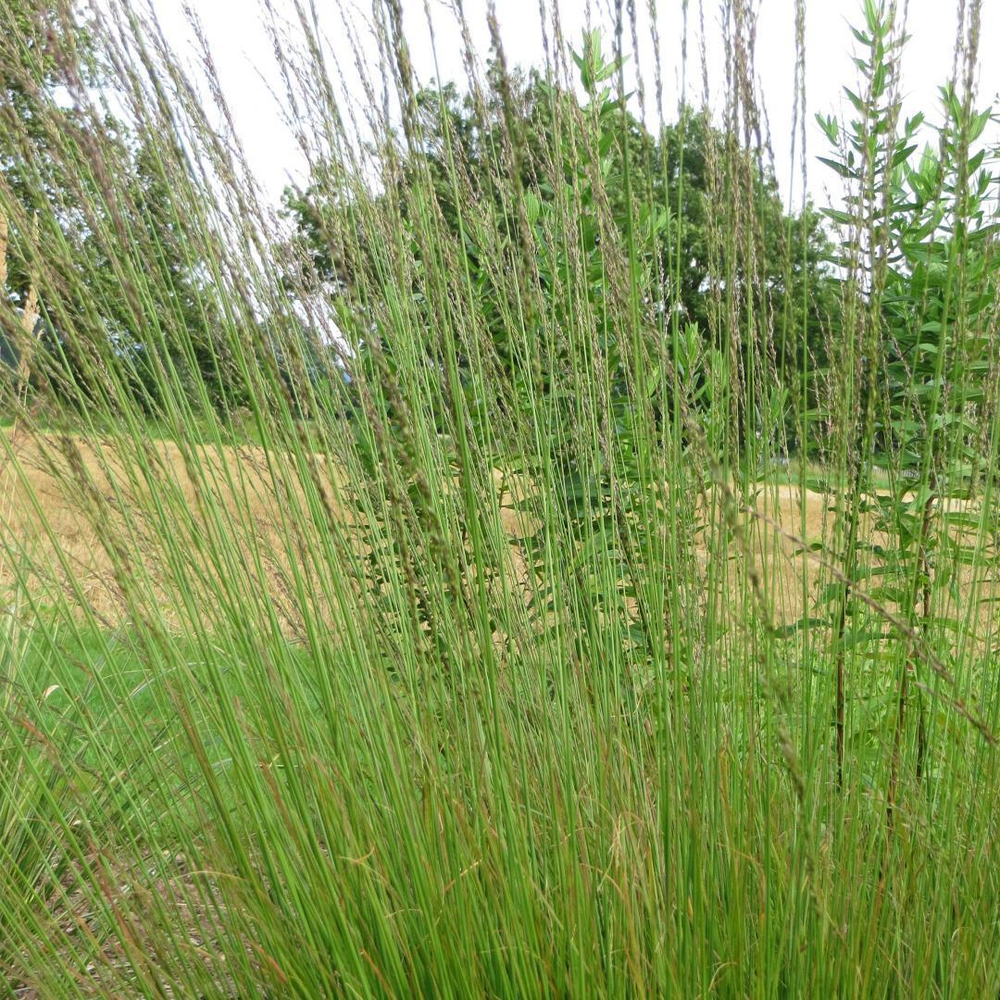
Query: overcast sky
[(243, 56)]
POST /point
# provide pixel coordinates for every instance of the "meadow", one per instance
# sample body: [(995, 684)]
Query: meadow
[(536, 561)]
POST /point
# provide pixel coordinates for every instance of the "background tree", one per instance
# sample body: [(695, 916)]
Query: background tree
[(560, 139), (60, 175)]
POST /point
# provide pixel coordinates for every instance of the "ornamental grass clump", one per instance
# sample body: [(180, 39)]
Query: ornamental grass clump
[(535, 560)]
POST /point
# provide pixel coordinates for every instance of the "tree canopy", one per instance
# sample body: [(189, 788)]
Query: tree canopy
[(662, 192), (58, 175)]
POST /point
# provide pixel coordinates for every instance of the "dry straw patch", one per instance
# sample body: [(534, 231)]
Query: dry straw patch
[(237, 490), (71, 501)]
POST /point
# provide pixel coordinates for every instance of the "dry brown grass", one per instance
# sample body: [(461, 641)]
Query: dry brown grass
[(59, 533), (62, 530)]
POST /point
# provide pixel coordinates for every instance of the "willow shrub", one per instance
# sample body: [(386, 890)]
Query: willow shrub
[(439, 641)]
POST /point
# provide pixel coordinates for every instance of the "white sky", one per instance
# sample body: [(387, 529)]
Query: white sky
[(245, 62)]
